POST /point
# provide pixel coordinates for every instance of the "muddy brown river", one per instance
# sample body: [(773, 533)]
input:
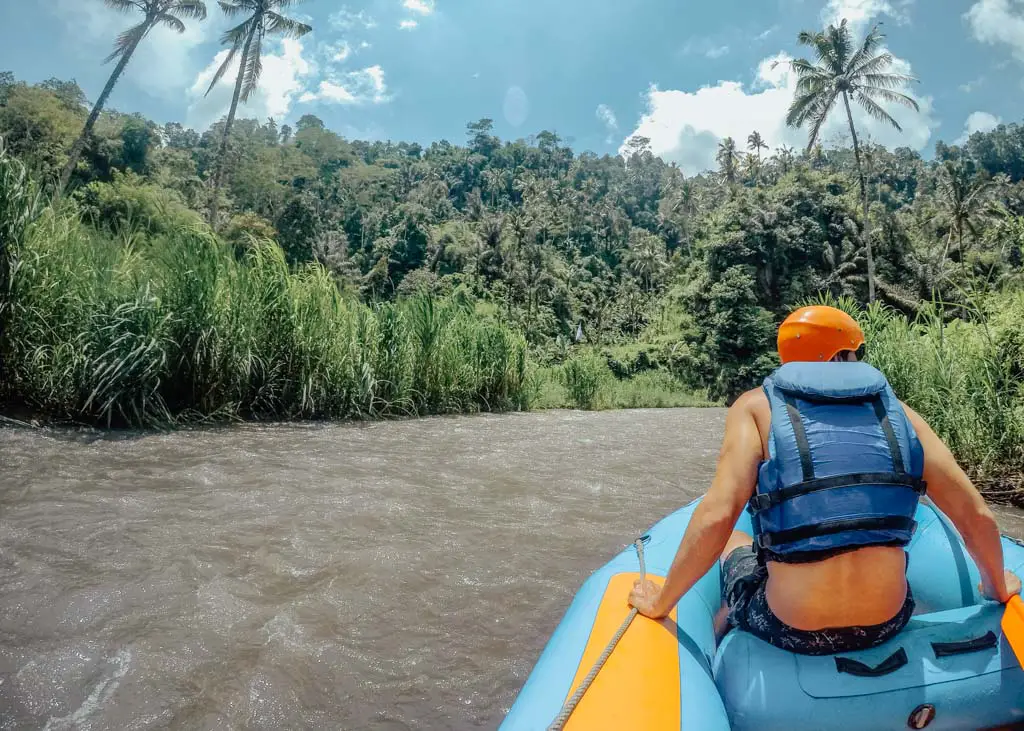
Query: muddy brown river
[(401, 575)]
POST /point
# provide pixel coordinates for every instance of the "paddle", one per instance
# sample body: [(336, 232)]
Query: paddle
[(1013, 626)]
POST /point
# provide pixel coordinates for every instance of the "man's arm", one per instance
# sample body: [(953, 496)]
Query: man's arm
[(955, 495), (716, 515)]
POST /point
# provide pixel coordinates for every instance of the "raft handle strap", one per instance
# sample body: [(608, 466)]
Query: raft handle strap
[(986, 641), (889, 665)]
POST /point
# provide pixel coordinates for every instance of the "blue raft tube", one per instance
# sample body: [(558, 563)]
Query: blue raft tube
[(950, 668)]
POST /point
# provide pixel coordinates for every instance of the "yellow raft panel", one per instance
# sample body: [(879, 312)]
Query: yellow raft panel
[(638, 687)]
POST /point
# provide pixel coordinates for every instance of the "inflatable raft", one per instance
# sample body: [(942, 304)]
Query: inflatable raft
[(949, 669)]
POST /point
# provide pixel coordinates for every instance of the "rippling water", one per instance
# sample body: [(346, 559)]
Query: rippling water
[(401, 575)]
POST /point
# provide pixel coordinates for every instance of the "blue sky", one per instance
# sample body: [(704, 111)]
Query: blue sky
[(683, 72)]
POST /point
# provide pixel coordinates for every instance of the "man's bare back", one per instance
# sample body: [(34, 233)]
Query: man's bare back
[(863, 587)]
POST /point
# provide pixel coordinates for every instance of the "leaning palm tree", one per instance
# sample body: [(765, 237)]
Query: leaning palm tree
[(841, 72), (246, 41), (155, 12)]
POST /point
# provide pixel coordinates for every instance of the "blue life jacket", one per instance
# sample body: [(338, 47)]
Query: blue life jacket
[(844, 464)]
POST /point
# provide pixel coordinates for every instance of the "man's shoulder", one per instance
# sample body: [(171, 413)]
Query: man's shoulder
[(750, 401)]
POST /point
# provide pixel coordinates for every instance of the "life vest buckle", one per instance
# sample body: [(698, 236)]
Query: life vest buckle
[(759, 502)]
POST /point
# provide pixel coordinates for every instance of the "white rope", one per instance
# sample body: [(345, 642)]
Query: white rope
[(570, 705)]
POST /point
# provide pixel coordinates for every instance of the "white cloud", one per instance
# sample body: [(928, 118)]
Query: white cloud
[(686, 127), (764, 36), (972, 85), (345, 19), (340, 51), (705, 47), (376, 75), (330, 92), (364, 86), (282, 81), (995, 22), (407, 24), (423, 7), (607, 117), (859, 12), (978, 122)]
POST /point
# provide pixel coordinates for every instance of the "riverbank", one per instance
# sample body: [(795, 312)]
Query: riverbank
[(179, 327), (181, 330)]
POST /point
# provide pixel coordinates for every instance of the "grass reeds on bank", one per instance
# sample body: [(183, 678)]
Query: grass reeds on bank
[(178, 329), (584, 381)]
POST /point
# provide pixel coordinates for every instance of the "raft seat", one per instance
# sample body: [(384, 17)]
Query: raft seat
[(950, 660)]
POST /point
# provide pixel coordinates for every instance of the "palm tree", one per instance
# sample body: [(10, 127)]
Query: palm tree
[(968, 200), (785, 156), (247, 38), (756, 143), (155, 12), (646, 257), (841, 72), (728, 159)]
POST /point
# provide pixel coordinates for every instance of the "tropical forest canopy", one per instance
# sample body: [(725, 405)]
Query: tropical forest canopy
[(562, 244)]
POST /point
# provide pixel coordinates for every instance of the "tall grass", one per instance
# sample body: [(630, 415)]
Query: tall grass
[(583, 377), (585, 381), (180, 330)]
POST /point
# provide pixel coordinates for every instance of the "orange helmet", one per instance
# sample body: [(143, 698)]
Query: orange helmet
[(817, 333)]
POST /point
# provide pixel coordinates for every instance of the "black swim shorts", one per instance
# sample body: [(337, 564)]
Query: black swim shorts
[(743, 589)]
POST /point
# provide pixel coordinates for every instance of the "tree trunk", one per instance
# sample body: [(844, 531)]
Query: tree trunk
[(221, 154), (76, 149), (864, 198)]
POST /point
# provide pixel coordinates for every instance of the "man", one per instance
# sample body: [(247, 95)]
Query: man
[(832, 466)]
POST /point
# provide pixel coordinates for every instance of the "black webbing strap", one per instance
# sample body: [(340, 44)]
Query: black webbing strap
[(802, 445), (986, 642), (792, 535), (890, 435), (767, 500)]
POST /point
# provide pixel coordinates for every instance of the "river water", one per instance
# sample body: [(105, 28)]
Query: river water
[(400, 575)]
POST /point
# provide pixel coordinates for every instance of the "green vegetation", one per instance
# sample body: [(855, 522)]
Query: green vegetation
[(345, 278), (173, 328), (586, 382)]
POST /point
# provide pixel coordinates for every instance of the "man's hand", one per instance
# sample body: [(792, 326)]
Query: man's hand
[(645, 598), (1011, 585)]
